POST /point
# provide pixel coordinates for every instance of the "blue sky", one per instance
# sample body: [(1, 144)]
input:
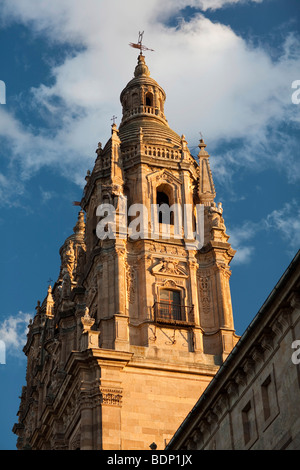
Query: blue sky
[(227, 68)]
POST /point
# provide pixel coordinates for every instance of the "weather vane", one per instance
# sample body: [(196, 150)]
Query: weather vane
[(139, 44)]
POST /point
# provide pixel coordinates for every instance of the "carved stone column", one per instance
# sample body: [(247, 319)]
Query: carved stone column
[(86, 423), (111, 399)]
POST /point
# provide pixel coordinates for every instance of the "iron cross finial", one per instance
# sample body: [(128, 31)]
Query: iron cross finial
[(140, 39), (139, 45)]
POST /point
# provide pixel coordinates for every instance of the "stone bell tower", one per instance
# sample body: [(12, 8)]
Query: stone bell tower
[(140, 318)]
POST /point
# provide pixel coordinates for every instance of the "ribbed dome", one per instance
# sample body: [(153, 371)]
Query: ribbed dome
[(153, 132)]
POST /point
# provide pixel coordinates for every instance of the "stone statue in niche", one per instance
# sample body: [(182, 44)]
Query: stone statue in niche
[(69, 259), (216, 216), (131, 280)]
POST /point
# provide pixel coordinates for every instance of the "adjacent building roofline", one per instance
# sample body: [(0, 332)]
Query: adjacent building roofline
[(234, 355)]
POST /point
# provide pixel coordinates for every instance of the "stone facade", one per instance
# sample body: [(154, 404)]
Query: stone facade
[(253, 402), (134, 328)]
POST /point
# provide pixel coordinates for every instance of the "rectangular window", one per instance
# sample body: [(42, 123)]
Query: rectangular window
[(170, 309), (246, 419), (170, 304), (265, 391)]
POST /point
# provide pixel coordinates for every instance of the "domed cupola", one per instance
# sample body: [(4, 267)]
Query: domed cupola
[(142, 68), (142, 96)]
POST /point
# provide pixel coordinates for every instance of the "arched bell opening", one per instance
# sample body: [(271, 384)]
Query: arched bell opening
[(164, 200), (149, 99)]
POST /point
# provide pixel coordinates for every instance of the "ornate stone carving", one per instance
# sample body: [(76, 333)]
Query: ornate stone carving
[(170, 268), (212, 418), (130, 282), (79, 228), (282, 322), (267, 341), (91, 291), (87, 321), (111, 396), (75, 442), (295, 300), (86, 401), (204, 426), (205, 294), (49, 303), (170, 283), (241, 378), (232, 388), (257, 354), (221, 404), (249, 367)]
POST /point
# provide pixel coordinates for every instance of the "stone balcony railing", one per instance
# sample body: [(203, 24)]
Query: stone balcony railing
[(180, 315), (143, 110)]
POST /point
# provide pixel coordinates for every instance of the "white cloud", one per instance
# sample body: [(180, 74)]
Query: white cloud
[(10, 188), (47, 195), (13, 331), (287, 222), (215, 81), (284, 222), (209, 4), (243, 254), (240, 240)]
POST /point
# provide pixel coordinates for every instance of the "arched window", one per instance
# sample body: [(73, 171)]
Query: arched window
[(164, 214), (149, 99)]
